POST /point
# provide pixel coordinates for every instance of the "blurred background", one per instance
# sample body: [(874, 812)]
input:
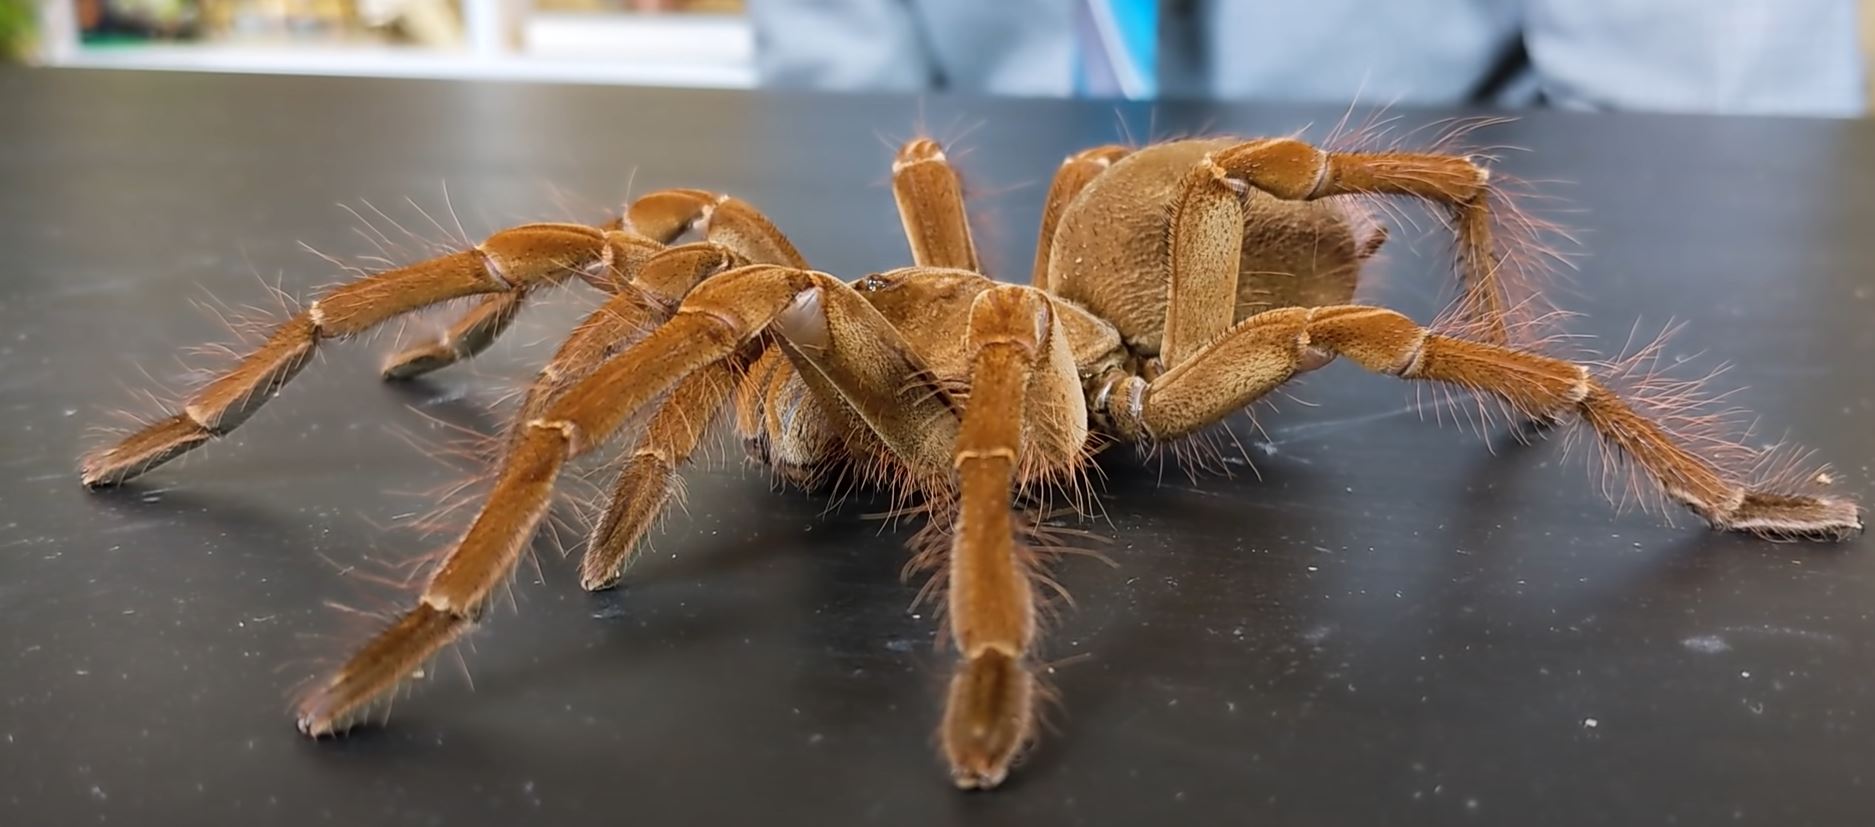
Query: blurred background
[(1751, 56)]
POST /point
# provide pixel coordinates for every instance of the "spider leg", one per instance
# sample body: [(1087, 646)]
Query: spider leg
[(849, 355), (510, 261), (635, 309), (1025, 419), (470, 335), (834, 331), (930, 200), (669, 213), (726, 220), (1076, 172), (660, 216), (793, 428), (1293, 170), (1265, 350), (1206, 233), (647, 291), (751, 403), (649, 478)]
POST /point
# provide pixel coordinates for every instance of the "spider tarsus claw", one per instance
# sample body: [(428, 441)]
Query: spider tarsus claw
[(326, 713), (97, 471), (968, 780), (315, 719), (310, 728), (94, 481), (600, 582)]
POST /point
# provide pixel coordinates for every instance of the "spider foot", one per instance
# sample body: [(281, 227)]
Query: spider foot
[(418, 360), (599, 579), (988, 720), (1795, 517), (340, 701), (156, 444)]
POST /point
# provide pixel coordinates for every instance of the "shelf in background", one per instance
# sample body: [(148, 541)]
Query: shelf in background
[(689, 50)]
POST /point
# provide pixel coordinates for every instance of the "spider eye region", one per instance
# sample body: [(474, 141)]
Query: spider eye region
[(873, 283)]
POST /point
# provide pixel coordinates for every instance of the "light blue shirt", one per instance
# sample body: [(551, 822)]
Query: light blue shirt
[(1755, 56)]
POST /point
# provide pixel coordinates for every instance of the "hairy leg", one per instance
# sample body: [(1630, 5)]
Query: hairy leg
[(930, 198), (844, 340), (716, 325), (729, 221), (658, 217), (1205, 244), (1076, 172), (1267, 349), (799, 431), (1293, 170), (648, 479), (648, 288), (510, 261), (650, 295), (469, 336), (1025, 419)]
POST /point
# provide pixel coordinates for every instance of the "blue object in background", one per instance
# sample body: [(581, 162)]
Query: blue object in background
[(1117, 54), (1730, 56)]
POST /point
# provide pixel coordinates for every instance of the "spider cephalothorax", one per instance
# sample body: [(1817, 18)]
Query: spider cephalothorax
[(1173, 286)]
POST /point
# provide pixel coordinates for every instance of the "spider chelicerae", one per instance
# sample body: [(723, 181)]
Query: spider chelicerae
[(1173, 286)]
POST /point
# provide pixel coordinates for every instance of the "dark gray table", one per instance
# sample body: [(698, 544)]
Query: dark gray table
[(1394, 624)]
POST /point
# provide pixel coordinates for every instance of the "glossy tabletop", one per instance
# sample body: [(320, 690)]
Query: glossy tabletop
[(1388, 621)]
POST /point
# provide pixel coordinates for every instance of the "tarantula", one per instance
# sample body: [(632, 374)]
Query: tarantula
[(1173, 285)]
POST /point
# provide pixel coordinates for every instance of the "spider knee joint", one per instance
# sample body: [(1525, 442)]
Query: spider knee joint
[(1236, 184), (493, 265), (1478, 165), (1313, 358), (972, 454), (1284, 167), (567, 430), (918, 151), (1415, 360), (443, 604), (1120, 407), (1583, 386)]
